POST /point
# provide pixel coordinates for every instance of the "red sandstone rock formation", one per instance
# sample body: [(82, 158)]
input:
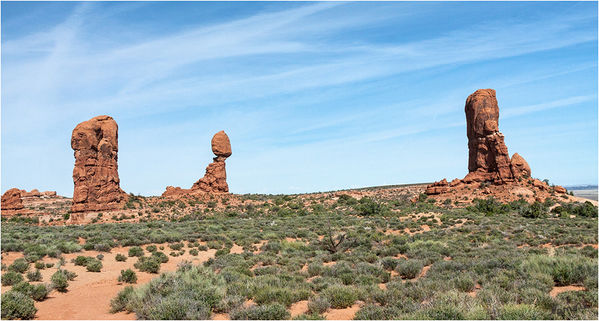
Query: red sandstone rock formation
[(11, 200), (488, 157), (215, 179), (95, 175)]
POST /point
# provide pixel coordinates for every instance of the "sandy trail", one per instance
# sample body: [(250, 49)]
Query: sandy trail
[(89, 295)]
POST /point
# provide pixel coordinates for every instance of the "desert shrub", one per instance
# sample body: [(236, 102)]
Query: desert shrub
[(94, 265), (19, 266), (488, 207), (100, 257), (128, 276), (11, 278), (273, 311), (151, 248), (194, 252), (389, 263), (318, 305), (160, 256), (368, 207), (340, 296), (283, 295), (119, 303), (534, 210), (136, 251), (36, 292), (120, 258), (409, 269), (59, 281), (564, 270), (34, 275), (16, 305), (49, 265), (464, 283), (513, 311), (371, 312), (185, 294), (176, 246), (82, 260), (40, 265), (149, 264)]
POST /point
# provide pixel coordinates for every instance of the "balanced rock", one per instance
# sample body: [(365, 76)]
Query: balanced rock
[(11, 199), (215, 179), (95, 176)]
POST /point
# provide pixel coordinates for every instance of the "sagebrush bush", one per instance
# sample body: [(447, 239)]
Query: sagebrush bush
[(82, 260), (128, 276), (59, 281), (565, 270), (34, 275), (11, 278), (513, 311), (94, 265), (149, 264), (340, 296), (273, 311), (318, 305), (16, 305), (19, 266), (136, 251), (409, 269), (120, 258)]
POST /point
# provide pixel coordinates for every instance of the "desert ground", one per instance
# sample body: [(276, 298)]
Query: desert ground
[(374, 253)]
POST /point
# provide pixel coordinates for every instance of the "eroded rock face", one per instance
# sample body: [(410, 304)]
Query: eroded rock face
[(11, 199), (488, 157), (96, 177), (215, 179), (490, 168)]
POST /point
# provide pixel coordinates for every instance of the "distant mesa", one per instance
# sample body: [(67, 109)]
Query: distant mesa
[(488, 157), (215, 178), (95, 175)]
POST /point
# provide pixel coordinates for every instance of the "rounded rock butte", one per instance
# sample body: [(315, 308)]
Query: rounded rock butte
[(12, 200), (95, 175)]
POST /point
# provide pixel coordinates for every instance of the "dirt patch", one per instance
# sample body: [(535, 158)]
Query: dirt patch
[(561, 289), (236, 249), (298, 308), (89, 295), (221, 316), (342, 314)]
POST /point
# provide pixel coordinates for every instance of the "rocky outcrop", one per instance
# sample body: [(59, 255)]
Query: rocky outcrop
[(488, 158), (12, 200), (520, 167), (215, 179), (95, 176), (489, 164)]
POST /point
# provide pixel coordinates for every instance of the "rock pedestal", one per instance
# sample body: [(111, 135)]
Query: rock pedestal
[(215, 179), (95, 175)]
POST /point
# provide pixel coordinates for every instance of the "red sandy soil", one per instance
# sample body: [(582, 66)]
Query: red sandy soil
[(343, 314), (298, 308), (89, 295), (560, 289)]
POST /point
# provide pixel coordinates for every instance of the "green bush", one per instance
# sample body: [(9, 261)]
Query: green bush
[(94, 265), (128, 276), (34, 275), (120, 258), (16, 305), (136, 251), (534, 210), (82, 260), (36, 292), (513, 311), (176, 246), (59, 281), (19, 266), (371, 312), (565, 270), (318, 305), (409, 269), (11, 278), (160, 256), (120, 302), (151, 248), (194, 252), (149, 264), (340, 296), (273, 311), (40, 265)]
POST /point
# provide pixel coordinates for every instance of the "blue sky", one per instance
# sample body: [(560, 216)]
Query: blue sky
[(314, 96)]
